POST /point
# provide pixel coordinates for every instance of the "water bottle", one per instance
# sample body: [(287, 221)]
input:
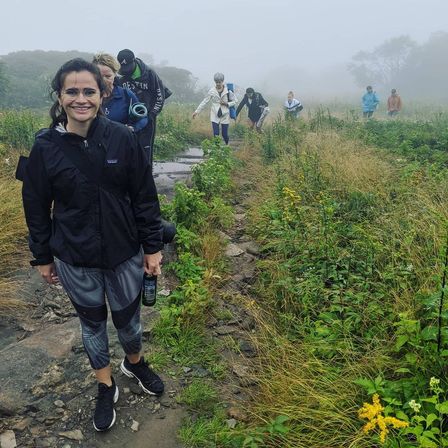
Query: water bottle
[(149, 290)]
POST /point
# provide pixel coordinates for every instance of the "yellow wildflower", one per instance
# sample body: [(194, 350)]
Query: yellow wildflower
[(291, 203), (370, 411), (374, 414)]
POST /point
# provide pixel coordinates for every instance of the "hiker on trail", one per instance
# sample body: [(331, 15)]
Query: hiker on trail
[(93, 216), (370, 102), (222, 98), (292, 106), (117, 100), (116, 106), (257, 108), (394, 104), (146, 84)]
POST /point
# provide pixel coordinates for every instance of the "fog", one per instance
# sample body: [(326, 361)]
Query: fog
[(271, 45)]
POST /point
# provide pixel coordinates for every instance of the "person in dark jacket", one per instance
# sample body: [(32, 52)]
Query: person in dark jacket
[(257, 108), (93, 216), (149, 88), (116, 100)]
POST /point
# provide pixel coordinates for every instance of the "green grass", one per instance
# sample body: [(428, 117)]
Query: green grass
[(200, 396)]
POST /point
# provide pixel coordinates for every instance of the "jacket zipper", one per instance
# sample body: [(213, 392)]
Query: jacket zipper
[(98, 211)]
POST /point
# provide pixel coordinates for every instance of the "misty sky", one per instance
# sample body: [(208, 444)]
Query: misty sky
[(245, 39)]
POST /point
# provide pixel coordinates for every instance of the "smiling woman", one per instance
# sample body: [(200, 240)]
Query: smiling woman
[(80, 98), (93, 216)]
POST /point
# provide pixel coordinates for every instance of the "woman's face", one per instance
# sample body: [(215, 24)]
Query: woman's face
[(290, 96), (108, 77), (80, 97), (219, 85)]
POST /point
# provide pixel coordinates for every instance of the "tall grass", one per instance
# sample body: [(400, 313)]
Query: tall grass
[(352, 240), (12, 235), (17, 128)]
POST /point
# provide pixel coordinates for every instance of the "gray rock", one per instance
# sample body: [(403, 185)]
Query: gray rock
[(248, 323), (233, 250), (126, 390), (59, 403), (251, 247), (8, 439), (231, 423), (225, 329), (199, 371), (135, 389), (10, 404), (76, 434), (135, 425), (248, 349), (165, 402), (22, 424), (49, 442), (186, 369)]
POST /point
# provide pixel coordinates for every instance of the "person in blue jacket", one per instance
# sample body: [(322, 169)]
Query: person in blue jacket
[(116, 100), (370, 102)]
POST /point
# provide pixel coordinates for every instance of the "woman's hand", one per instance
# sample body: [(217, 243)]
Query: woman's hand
[(194, 115), (48, 273), (224, 103), (151, 263)]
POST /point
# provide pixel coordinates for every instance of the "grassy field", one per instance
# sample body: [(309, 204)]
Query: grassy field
[(352, 218)]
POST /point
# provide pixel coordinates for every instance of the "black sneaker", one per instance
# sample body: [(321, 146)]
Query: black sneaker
[(104, 417), (148, 380)]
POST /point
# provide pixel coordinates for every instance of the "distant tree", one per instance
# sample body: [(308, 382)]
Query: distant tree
[(29, 74), (384, 64), (426, 72), (181, 82), (3, 81)]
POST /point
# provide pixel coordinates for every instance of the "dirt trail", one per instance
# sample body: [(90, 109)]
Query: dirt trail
[(47, 388)]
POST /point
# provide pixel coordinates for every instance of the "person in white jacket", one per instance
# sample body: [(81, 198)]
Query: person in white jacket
[(292, 106), (222, 99)]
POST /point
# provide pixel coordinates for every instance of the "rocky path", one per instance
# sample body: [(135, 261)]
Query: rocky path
[(47, 389)]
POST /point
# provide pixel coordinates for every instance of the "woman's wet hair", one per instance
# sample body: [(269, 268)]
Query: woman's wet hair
[(107, 60), (77, 65), (291, 93), (250, 90)]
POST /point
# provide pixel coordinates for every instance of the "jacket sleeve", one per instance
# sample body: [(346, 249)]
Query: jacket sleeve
[(145, 202), (158, 90), (142, 122), (37, 199), (203, 103), (240, 106)]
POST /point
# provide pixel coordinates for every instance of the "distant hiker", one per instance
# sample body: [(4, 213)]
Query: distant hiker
[(394, 103), (292, 106), (257, 108), (117, 100), (221, 99), (93, 216), (370, 102), (146, 84)]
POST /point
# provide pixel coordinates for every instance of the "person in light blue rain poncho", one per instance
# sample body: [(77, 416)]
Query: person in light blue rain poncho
[(370, 102)]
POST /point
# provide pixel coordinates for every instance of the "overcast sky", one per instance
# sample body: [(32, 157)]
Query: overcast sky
[(245, 39)]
